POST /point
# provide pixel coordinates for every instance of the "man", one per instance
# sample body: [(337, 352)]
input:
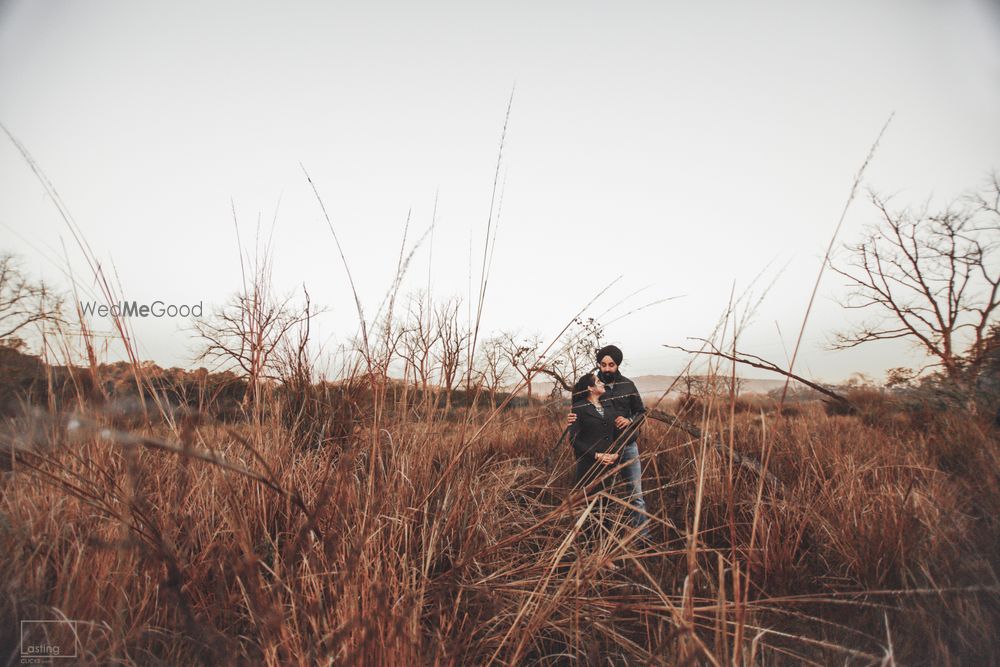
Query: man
[(631, 410)]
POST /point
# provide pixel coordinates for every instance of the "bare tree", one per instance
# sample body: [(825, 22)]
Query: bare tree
[(493, 367), (419, 339), (380, 349), (23, 301), (452, 337), (247, 331), (933, 278), (521, 353)]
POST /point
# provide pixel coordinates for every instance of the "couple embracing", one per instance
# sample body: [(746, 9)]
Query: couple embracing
[(606, 414)]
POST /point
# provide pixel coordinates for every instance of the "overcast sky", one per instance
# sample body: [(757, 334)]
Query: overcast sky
[(688, 146)]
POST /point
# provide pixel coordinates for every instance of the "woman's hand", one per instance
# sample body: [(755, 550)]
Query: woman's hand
[(606, 459), (570, 419), (622, 422)]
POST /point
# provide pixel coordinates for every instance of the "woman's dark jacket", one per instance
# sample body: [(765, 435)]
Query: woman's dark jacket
[(591, 433)]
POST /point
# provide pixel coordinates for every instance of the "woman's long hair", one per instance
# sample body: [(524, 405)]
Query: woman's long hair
[(581, 389)]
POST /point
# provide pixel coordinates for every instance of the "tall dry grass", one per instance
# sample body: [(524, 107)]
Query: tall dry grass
[(406, 543)]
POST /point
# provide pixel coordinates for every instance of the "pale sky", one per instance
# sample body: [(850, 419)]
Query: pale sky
[(688, 146)]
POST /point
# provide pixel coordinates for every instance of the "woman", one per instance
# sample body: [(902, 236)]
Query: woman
[(593, 433), (594, 438)]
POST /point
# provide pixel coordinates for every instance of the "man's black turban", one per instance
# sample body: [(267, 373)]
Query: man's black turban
[(610, 351)]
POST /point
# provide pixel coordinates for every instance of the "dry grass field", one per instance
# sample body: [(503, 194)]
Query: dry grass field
[(425, 536)]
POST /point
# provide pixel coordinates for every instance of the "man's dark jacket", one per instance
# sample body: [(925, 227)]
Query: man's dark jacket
[(624, 396)]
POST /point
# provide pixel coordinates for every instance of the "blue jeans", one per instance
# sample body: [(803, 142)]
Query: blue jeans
[(632, 475)]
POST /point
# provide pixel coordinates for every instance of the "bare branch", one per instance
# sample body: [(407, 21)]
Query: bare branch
[(763, 364)]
